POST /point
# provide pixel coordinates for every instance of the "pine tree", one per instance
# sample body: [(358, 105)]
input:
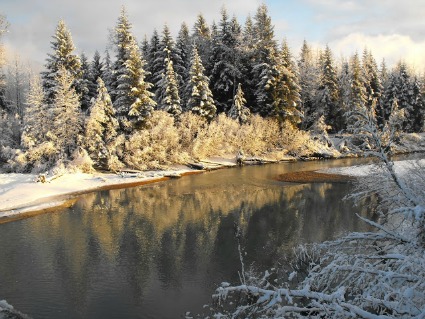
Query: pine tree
[(165, 53), (122, 39), (239, 111), (182, 63), (62, 57), (416, 122), (101, 127), (201, 101), (108, 72), (263, 62), (344, 84), (201, 37), (326, 102), (225, 72), (289, 108), (66, 125), (308, 79), (37, 119), (170, 101), (134, 102), (154, 65), (86, 86), (267, 89), (133, 99)]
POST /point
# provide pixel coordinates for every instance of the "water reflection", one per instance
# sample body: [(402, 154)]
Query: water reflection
[(128, 252)]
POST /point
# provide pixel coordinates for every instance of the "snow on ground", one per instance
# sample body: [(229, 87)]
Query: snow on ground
[(401, 167), (20, 193)]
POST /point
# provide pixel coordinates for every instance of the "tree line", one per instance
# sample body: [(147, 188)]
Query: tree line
[(223, 68)]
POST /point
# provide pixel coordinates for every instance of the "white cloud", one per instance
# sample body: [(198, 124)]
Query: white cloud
[(393, 48), (33, 22)]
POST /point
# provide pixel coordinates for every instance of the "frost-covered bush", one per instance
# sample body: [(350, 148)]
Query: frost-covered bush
[(81, 161), (155, 145), (189, 127)]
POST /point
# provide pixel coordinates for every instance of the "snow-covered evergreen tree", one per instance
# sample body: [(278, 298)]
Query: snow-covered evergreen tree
[(86, 87), (101, 127), (62, 57), (122, 39), (225, 73), (239, 111), (326, 100), (37, 120), (201, 101), (263, 61), (372, 79), (165, 52), (154, 64), (344, 85), (417, 120), (66, 125), (108, 72), (170, 101), (266, 91), (308, 77), (201, 37), (289, 108), (182, 63), (133, 99)]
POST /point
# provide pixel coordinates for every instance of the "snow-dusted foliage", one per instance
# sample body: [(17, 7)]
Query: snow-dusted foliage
[(62, 57), (239, 111), (131, 92), (170, 101), (155, 146), (326, 99), (36, 118), (201, 101), (66, 123), (101, 128)]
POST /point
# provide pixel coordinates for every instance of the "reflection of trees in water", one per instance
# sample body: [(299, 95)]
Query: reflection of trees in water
[(172, 232)]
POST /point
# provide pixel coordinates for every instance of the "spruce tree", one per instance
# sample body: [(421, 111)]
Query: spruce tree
[(239, 111), (263, 61), (122, 39), (289, 108), (63, 57), (154, 64), (308, 78), (201, 101), (201, 37), (225, 73), (66, 125), (182, 63), (417, 120), (326, 101), (86, 87), (134, 100), (101, 127), (170, 101), (37, 119)]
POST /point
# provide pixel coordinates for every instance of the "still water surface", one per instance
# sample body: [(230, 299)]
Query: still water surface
[(159, 250)]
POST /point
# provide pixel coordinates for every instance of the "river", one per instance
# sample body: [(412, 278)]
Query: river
[(157, 251)]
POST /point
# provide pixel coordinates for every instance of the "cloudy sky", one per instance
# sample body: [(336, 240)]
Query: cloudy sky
[(392, 29)]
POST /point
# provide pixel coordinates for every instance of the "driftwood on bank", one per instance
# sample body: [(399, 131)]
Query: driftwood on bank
[(44, 178)]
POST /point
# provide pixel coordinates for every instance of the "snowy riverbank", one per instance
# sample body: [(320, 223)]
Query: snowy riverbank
[(19, 193)]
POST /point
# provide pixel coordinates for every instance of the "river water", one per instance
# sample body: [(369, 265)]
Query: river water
[(159, 250)]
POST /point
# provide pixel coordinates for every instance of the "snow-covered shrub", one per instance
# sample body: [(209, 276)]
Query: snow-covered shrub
[(81, 161), (155, 145), (189, 126), (217, 138)]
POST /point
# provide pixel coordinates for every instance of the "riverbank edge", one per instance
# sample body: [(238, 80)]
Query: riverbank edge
[(45, 204)]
